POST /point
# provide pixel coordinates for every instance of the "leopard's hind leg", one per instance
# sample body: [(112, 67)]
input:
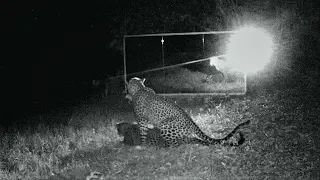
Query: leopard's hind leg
[(172, 133)]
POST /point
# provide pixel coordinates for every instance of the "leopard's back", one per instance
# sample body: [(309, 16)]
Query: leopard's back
[(157, 108)]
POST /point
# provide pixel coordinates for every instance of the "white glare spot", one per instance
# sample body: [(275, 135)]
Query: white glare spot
[(249, 49)]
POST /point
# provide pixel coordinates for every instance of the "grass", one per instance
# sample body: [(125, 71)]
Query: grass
[(280, 144), (39, 154), (182, 80)]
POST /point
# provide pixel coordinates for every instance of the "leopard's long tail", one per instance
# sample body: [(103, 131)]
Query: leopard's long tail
[(206, 140)]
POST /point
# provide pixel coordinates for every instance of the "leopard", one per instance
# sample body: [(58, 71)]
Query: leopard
[(175, 125)]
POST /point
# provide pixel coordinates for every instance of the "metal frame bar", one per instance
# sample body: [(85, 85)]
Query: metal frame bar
[(124, 63), (166, 67), (200, 94), (171, 66), (180, 34)]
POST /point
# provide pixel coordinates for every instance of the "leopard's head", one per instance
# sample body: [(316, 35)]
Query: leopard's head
[(135, 84)]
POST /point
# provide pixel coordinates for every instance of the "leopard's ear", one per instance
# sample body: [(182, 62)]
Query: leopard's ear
[(143, 80)]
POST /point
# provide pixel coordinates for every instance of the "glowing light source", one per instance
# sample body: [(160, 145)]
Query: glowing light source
[(249, 49), (219, 62)]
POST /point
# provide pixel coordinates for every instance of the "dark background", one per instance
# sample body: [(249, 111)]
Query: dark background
[(53, 49)]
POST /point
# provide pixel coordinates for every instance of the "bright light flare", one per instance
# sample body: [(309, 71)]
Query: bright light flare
[(249, 49), (219, 63)]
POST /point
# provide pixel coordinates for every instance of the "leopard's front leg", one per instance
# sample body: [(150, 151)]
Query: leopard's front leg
[(143, 127)]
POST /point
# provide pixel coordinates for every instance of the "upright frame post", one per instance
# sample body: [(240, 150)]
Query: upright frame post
[(124, 65)]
